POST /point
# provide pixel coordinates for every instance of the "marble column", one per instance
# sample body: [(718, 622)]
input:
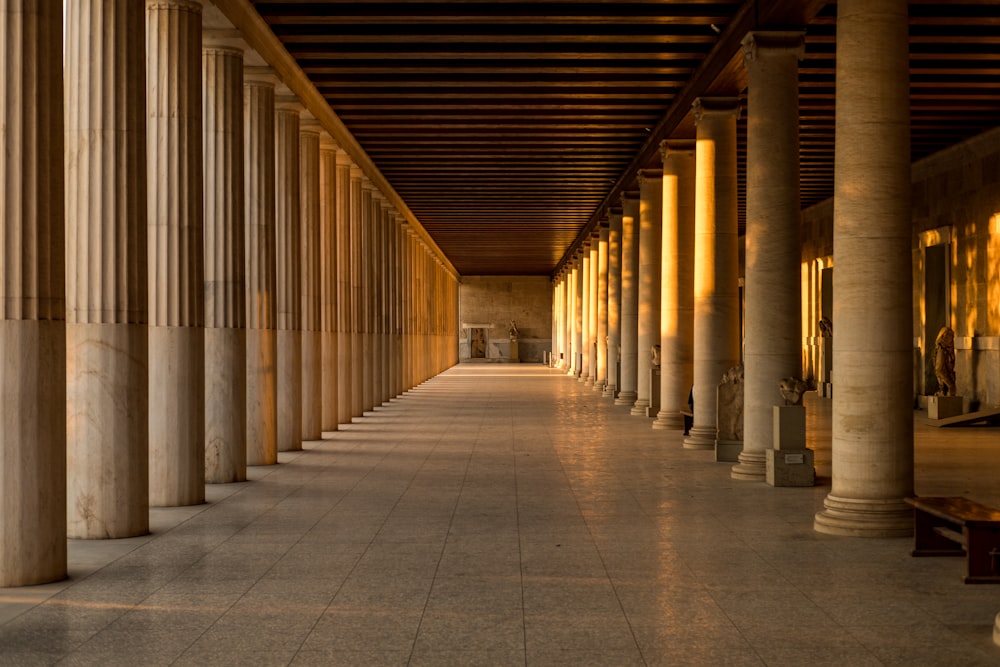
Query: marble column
[(872, 293), (32, 297), (357, 309), (586, 344), (571, 348), (383, 273), (773, 346), (677, 284), (342, 223), (366, 307), (288, 278), (602, 309), (595, 243), (716, 278), (106, 349), (260, 267), (225, 260), (311, 248), (650, 228), (629, 310), (614, 299), (329, 258), (175, 242), (579, 316)]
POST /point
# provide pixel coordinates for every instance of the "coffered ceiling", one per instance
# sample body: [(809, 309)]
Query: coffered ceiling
[(509, 127)]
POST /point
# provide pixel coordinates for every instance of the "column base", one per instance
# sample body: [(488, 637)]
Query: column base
[(599, 385), (666, 419), (864, 518), (701, 438), (752, 467), (639, 407), (609, 391), (626, 398)]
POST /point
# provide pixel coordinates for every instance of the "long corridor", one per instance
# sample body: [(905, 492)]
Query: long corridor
[(508, 515)]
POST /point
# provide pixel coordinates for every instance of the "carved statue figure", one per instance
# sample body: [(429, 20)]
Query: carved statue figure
[(792, 390), (655, 351), (825, 327), (513, 330), (944, 362), (729, 417)]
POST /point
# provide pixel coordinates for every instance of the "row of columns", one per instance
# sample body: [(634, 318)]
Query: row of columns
[(672, 273), (196, 276)]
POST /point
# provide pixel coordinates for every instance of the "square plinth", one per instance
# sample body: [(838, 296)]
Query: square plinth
[(789, 427), (942, 407), (790, 467), (728, 450)]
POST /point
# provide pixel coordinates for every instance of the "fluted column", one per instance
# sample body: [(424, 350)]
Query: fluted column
[(261, 298), (288, 282), (578, 314), (602, 309), (677, 284), (872, 292), (175, 242), (773, 346), (650, 227), (311, 247), (367, 311), (716, 278), (595, 243), (357, 309), (629, 300), (382, 273), (571, 349), (342, 224), (225, 262), (106, 349), (32, 297), (614, 299), (586, 344), (329, 259)]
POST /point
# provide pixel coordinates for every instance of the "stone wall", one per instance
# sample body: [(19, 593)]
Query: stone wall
[(956, 266), (492, 302)]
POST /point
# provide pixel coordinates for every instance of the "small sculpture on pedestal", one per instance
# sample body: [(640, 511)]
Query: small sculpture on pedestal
[(655, 352), (729, 415), (944, 362), (792, 390), (826, 327)]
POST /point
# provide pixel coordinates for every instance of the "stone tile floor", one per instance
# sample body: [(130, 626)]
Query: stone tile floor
[(508, 515)]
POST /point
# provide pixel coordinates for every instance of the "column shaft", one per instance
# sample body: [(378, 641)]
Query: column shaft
[(650, 228), (586, 344), (357, 307), (595, 243), (614, 300), (602, 310), (578, 315), (329, 259), (342, 223), (106, 329), (175, 253), (872, 290), (315, 367), (629, 359)]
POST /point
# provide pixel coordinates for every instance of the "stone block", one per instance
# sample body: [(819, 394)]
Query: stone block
[(790, 467), (728, 450), (942, 407), (789, 427)]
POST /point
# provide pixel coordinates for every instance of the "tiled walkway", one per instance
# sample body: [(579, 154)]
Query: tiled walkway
[(508, 515)]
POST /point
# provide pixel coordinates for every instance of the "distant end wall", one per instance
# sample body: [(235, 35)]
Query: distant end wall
[(491, 303)]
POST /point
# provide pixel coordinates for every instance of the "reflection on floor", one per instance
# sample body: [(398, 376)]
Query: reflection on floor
[(503, 515)]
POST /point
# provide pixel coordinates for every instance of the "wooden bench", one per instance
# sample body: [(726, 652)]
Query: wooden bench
[(956, 526)]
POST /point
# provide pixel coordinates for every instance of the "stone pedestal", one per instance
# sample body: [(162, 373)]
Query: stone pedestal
[(654, 392), (789, 463), (942, 407)]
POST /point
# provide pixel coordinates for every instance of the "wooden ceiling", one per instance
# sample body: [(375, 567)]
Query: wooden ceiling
[(510, 126)]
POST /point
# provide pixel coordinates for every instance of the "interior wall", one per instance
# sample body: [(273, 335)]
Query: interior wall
[(493, 302)]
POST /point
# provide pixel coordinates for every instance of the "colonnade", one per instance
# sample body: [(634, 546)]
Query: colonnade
[(195, 275), (672, 275)]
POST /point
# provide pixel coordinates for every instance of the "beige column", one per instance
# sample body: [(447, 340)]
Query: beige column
[(396, 304), (677, 284), (586, 344), (629, 360), (650, 228), (773, 346), (408, 349), (225, 261), (595, 242), (357, 307), (311, 298), (571, 348), (259, 241), (558, 307), (288, 279), (872, 291), (579, 315), (602, 309), (366, 307), (175, 242), (383, 271), (716, 278), (32, 297), (614, 299), (342, 223), (106, 349), (329, 262)]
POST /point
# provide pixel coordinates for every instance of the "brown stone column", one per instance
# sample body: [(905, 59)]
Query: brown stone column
[(614, 299), (773, 347), (872, 282), (175, 253), (650, 226), (311, 249), (677, 279), (32, 297), (716, 278), (602, 309), (225, 261), (345, 295), (106, 316), (586, 340), (357, 308), (330, 260), (630, 300)]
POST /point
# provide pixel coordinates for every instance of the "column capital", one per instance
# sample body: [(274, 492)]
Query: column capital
[(344, 159), (289, 103), (648, 174), (183, 5), (759, 43), (326, 142), (224, 40), (716, 106), (308, 123), (629, 194), (671, 146), (258, 75)]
